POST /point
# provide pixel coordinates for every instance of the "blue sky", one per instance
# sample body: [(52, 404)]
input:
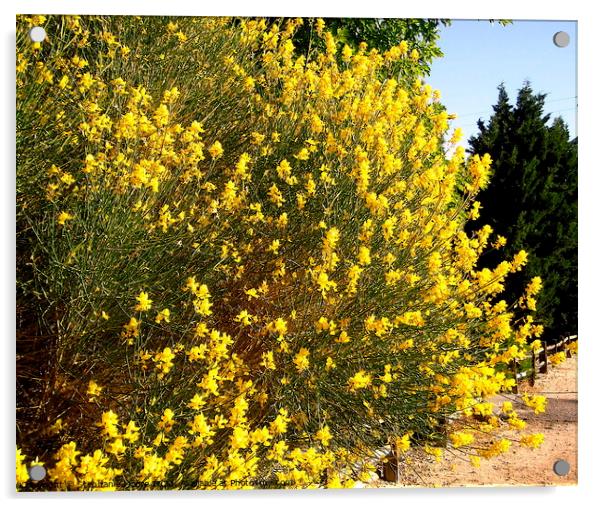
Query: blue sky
[(480, 55)]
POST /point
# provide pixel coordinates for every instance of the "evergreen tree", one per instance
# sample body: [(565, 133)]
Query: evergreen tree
[(532, 201)]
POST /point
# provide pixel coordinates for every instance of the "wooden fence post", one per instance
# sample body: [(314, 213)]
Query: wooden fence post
[(515, 374), (564, 342), (534, 370), (391, 465), (397, 464), (545, 359), (567, 349)]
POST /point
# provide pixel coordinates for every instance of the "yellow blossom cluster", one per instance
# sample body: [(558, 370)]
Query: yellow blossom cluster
[(259, 254)]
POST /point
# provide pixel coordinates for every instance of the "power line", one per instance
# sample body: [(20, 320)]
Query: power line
[(487, 110), (550, 112)]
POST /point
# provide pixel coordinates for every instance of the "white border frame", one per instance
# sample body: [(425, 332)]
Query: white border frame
[(589, 237)]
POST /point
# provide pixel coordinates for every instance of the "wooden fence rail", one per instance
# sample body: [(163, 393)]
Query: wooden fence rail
[(539, 360), (390, 470)]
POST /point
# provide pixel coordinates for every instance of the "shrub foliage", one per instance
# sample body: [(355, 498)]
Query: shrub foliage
[(237, 264)]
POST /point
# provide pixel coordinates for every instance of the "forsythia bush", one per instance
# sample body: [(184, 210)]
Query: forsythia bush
[(243, 264)]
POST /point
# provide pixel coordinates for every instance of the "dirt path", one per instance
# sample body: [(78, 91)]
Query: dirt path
[(519, 466)]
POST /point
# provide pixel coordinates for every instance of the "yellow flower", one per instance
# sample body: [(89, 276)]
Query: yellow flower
[(387, 377), (303, 154), (519, 260), (197, 402), (245, 318), (161, 116), (144, 303), (499, 242), (475, 461), (57, 427), (456, 136), (202, 429), (163, 315), (363, 256), (63, 82), (460, 439), (251, 294), (93, 390), (267, 360), (437, 452), (284, 170), (166, 423), (170, 96), (472, 312), (347, 53), (274, 246), (536, 402), (109, 424), (131, 330), (325, 284), (239, 438), (402, 443), (282, 221), (534, 286), (22, 473), (279, 425), (320, 24), (324, 436), (331, 238), (557, 358), (533, 441), (163, 361), (360, 380), (389, 228), (301, 360), (116, 447), (343, 337), (257, 138), (275, 196), (279, 326), (241, 171), (261, 436), (63, 217), (216, 150), (131, 432)]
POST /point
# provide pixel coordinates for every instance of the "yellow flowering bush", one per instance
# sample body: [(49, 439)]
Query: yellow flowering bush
[(246, 267), (573, 347), (556, 359)]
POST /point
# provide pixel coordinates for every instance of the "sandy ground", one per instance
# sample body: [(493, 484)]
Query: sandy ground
[(519, 466)]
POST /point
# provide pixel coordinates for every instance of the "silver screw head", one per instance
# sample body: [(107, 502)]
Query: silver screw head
[(561, 39), (37, 473), (561, 467), (37, 34)]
